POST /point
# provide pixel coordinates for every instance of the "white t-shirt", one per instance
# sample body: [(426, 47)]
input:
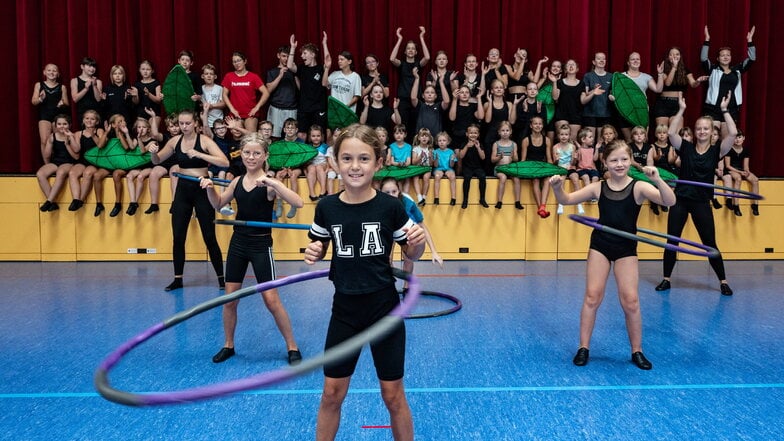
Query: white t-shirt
[(345, 87), (212, 96)]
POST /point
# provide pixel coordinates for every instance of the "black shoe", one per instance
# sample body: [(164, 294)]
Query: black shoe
[(153, 208), (729, 204), (435, 201), (755, 209), (313, 198), (132, 207), (53, 206), (464, 204), (655, 209), (736, 210), (641, 362), (725, 289), (176, 284), (483, 203), (98, 209), (422, 202), (223, 355), (116, 210), (716, 203), (519, 206), (295, 357), (663, 286), (581, 359), (498, 205), (45, 206), (452, 202), (665, 209), (75, 205)]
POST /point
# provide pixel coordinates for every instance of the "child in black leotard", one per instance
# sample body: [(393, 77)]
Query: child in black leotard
[(620, 199)]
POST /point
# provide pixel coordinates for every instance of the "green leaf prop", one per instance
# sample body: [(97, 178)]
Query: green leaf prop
[(394, 171), (287, 154), (545, 95), (177, 91), (531, 169), (113, 156), (630, 100), (339, 115), (640, 176)]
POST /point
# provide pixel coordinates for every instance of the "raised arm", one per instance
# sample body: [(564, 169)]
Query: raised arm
[(393, 56), (675, 122), (425, 51), (291, 63)]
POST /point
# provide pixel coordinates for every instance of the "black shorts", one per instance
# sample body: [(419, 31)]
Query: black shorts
[(595, 121), (352, 314), (715, 112), (666, 107), (613, 250), (256, 250), (307, 119)]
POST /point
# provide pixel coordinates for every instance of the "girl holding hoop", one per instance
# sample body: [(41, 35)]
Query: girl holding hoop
[(363, 223), (255, 193), (620, 199), (698, 163)]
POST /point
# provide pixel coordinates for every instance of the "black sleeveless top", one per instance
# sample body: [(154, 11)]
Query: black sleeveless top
[(536, 152), (60, 153), (184, 161), (253, 206), (619, 210), (48, 108), (88, 101)]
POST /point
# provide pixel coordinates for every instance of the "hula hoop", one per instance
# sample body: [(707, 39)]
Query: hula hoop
[(457, 305), (332, 355), (702, 250), (216, 181), (728, 191), (260, 224)]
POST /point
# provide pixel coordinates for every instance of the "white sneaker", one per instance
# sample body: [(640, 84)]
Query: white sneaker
[(580, 209), (227, 210), (559, 210)]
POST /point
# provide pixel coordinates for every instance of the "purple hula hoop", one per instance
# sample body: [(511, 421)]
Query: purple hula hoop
[(730, 192), (336, 353), (701, 250)]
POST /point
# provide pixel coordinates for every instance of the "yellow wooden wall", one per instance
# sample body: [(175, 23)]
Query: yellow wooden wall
[(473, 233)]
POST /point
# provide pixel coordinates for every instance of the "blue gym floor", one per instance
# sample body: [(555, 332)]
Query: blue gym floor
[(499, 369)]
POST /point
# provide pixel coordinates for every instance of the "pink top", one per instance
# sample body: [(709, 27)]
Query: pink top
[(585, 159)]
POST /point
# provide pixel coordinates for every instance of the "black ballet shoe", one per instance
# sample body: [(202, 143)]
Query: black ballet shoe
[(46, 206), (116, 210), (655, 209), (223, 355), (519, 206), (483, 203), (755, 209), (435, 201), (153, 208), (75, 205), (716, 203), (176, 284), (735, 210), (665, 209), (54, 206), (663, 286), (464, 204), (641, 362), (725, 289), (313, 198), (422, 202), (132, 207), (99, 208), (295, 357), (452, 202), (581, 358), (498, 205), (729, 204)]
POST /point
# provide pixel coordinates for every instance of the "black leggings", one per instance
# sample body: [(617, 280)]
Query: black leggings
[(702, 216), (468, 173), (187, 196)]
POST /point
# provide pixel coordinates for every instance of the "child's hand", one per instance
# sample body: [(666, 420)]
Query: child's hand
[(153, 147), (205, 183), (556, 181), (436, 258), (263, 181), (150, 112), (399, 33), (651, 172), (415, 235), (314, 252)]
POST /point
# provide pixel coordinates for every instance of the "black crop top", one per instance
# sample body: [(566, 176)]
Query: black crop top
[(186, 162)]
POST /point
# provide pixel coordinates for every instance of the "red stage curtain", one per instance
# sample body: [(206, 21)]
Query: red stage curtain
[(126, 32)]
